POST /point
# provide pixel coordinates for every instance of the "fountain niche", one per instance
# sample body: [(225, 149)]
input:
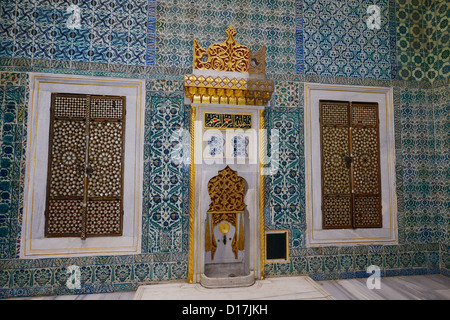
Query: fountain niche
[(226, 261)]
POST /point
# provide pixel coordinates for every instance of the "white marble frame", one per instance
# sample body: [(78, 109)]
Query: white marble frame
[(34, 244), (316, 236), (205, 170)]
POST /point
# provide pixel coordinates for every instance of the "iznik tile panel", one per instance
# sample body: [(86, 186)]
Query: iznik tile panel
[(337, 41), (257, 22), (422, 29), (117, 31), (13, 99), (163, 195), (286, 186)]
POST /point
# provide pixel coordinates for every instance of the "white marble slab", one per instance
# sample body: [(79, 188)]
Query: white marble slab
[(283, 288)]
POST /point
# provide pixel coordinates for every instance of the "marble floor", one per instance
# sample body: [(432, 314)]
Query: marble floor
[(422, 287)]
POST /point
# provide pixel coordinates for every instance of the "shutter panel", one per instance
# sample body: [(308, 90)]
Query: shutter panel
[(65, 183), (366, 166), (105, 183), (336, 189), (85, 175)]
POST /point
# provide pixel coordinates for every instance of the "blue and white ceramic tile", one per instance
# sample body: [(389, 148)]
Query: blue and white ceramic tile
[(239, 146), (215, 146)]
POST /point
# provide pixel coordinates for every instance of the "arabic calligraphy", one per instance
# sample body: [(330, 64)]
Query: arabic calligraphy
[(227, 121)]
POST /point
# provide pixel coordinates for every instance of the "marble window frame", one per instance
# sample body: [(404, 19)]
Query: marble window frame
[(315, 235), (34, 244)]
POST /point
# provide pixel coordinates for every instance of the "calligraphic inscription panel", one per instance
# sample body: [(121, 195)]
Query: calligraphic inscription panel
[(227, 121)]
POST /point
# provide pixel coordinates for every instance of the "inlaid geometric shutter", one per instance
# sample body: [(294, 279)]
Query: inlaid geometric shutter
[(351, 187), (85, 171), (366, 177)]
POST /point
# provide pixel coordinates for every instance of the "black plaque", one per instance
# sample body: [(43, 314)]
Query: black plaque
[(276, 246)]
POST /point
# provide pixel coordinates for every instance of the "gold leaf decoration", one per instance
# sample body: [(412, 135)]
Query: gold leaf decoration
[(226, 56)]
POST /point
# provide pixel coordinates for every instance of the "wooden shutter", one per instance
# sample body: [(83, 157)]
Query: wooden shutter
[(366, 180), (85, 171), (351, 188)]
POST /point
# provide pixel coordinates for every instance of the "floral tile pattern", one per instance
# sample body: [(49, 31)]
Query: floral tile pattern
[(424, 196), (257, 23), (338, 43), (118, 31), (163, 196), (13, 99), (302, 37), (423, 40)]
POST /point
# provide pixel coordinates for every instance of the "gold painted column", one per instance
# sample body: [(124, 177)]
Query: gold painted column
[(192, 198)]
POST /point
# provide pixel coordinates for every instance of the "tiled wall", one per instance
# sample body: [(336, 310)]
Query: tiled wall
[(306, 40), (337, 41), (166, 215), (423, 39), (13, 99), (422, 191), (326, 38), (119, 31), (257, 22)]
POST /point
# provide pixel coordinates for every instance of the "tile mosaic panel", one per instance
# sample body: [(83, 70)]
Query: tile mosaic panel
[(118, 31), (338, 43), (423, 38), (257, 23), (13, 98), (440, 97), (284, 192), (287, 94), (122, 274), (163, 196), (334, 263), (299, 52), (422, 168), (286, 199), (302, 37), (442, 48)]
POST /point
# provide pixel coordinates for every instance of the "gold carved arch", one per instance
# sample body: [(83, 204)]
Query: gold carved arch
[(227, 192)]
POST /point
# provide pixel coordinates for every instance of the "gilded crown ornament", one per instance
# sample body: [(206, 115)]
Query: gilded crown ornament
[(229, 56), (226, 56)]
